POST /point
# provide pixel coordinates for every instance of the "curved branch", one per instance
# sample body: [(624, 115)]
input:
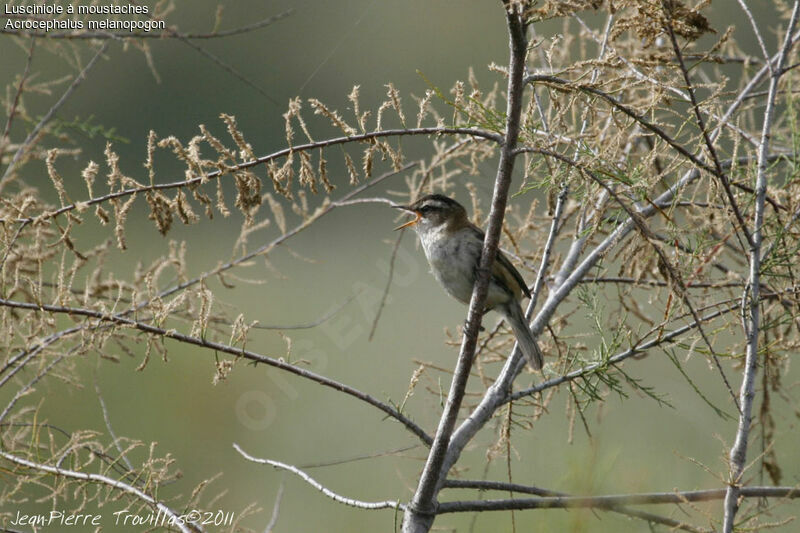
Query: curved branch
[(260, 161), (386, 504), (179, 522), (239, 352)]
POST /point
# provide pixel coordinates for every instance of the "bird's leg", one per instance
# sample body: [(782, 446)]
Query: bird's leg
[(480, 325)]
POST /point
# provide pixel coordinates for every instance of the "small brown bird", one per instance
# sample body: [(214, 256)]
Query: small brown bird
[(453, 247)]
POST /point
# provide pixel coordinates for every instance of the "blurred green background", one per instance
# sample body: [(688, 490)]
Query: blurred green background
[(321, 51)]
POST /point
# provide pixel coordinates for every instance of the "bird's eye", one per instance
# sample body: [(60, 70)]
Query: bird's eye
[(425, 209)]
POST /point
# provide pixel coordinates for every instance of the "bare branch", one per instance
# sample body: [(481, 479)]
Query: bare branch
[(276, 507), (756, 32), (738, 453), (548, 248), (107, 419), (232, 350), (386, 504), (526, 489), (610, 502)]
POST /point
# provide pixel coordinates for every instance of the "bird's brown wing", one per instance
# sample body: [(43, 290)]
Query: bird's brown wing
[(504, 270), (510, 273)]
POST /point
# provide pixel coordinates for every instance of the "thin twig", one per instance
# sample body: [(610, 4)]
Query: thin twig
[(544, 265), (26, 389), (387, 286), (386, 504), (661, 283), (52, 111), (612, 501), (110, 428), (618, 358), (527, 489), (276, 507), (220, 62), (756, 32), (12, 112), (701, 124), (357, 458)]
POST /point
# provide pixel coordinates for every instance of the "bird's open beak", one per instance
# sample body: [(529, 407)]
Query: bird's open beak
[(410, 222)]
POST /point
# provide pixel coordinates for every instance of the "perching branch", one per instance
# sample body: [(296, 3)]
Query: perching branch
[(566, 280), (421, 511)]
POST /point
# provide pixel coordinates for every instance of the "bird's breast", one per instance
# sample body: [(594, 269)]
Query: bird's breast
[(453, 258)]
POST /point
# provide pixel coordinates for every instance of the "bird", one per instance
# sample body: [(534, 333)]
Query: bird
[(453, 245)]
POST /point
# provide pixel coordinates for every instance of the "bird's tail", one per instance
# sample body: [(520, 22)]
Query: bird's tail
[(527, 343)]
